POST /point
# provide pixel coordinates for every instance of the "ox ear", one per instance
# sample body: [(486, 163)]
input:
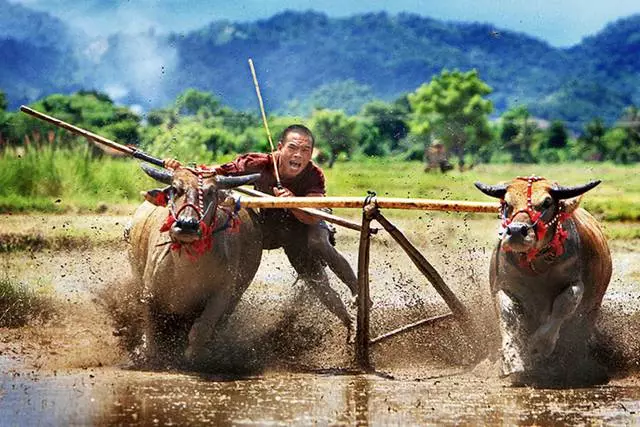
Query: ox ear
[(497, 191), (570, 205), (163, 176), (559, 192), (157, 196), (225, 182)]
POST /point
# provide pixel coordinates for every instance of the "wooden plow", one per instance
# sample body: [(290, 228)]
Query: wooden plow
[(371, 206)]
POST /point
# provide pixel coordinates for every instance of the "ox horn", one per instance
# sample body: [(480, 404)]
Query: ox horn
[(224, 182), (163, 176), (497, 191), (560, 193)]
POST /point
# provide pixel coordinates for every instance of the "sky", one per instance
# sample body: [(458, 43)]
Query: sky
[(561, 23)]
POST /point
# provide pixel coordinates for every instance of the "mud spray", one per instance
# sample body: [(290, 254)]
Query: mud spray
[(280, 325)]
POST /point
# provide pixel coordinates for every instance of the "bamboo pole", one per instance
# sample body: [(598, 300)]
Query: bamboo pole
[(410, 327), (133, 152), (357, 202), (459, 310), (315, 212)]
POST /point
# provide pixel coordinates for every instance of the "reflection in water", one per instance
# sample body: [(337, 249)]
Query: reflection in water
[(105, 396)]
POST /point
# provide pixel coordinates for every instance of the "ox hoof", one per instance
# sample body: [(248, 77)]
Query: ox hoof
[(543, 342)]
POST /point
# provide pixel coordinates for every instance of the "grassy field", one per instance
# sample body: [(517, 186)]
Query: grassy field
[(50, 180)]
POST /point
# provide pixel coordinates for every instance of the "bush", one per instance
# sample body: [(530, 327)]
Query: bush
[(20, 305)]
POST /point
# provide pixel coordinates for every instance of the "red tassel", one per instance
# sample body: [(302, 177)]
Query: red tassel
[(167, 223), (235, 224), (161, 199)]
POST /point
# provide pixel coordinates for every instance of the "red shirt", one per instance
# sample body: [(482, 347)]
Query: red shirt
[(309, 181)]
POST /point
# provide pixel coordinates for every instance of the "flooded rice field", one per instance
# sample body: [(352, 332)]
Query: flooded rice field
[(283, 359)]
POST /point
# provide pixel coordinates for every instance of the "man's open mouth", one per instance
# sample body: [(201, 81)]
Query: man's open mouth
[(294, 165)]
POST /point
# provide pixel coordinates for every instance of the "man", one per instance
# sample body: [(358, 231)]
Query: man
[(305, 239)]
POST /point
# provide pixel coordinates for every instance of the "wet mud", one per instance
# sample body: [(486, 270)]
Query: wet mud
[(282, 358)]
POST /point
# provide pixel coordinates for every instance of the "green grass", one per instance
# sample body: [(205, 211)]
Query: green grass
[(616, 199), (70, 180), (62, 180), (21, 304)]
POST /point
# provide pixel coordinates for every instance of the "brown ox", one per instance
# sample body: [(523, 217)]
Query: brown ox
[(549, 272), (193, 271)]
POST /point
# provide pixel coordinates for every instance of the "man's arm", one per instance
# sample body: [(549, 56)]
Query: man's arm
[(301, 216)]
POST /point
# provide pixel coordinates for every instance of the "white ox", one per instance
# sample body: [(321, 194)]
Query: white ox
[(192, 264)]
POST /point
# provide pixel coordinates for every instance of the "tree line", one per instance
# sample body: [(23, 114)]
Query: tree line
[(452, 109)]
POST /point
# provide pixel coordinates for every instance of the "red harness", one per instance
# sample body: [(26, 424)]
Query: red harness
[(556, 245), (204, 244)]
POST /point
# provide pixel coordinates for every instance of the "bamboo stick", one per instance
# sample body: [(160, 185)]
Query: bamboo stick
[(134, 152), (358, 202), (315, 212), (410, 327), (459, 310)]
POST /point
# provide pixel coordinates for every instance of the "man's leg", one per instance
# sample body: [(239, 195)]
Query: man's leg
[(319, 242), (312, 271)]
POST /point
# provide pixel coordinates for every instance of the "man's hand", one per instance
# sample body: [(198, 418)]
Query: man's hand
[(282, 192), (172, 164), (303, 217)]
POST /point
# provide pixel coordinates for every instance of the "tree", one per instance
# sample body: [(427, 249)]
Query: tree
[(452, 108), (192, 101), (89, 110), (557, 135), (630, 121), (518, 134), (389, 119), (336, 131), (3, 102), (592, 140)]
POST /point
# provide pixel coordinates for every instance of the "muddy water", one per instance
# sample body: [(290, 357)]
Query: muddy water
[(106, 396), (299, 371)]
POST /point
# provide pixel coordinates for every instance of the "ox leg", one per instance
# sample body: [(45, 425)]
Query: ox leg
[(512, 328), (544, 340), (216, 313), (165, 335)]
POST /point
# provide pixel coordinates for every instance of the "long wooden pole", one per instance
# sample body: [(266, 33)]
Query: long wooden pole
[(362, 333), (457, 308), (382, 202), (315, 212), (133, 152), (264, 122)]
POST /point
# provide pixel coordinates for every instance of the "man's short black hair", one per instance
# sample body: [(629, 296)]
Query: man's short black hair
[(300, 129)]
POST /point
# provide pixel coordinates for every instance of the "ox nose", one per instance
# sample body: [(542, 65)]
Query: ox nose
[(188, 225), (517, 228)]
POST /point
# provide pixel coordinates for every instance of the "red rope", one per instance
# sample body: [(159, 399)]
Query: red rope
[(556, 245), (204, 244)]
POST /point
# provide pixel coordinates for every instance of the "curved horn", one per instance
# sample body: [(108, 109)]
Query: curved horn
[(559, 192), (497, 191), (163, 176), (224, 182)]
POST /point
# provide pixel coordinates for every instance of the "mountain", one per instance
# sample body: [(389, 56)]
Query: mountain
[(37, 55), (299, 55)]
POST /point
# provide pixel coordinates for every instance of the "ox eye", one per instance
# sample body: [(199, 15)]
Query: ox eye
[(546, 203), (507, 209)]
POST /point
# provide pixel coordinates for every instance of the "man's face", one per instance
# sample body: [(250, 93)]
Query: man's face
[(295, 154)]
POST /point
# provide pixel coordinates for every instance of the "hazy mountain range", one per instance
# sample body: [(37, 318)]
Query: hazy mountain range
[(299, 55)]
